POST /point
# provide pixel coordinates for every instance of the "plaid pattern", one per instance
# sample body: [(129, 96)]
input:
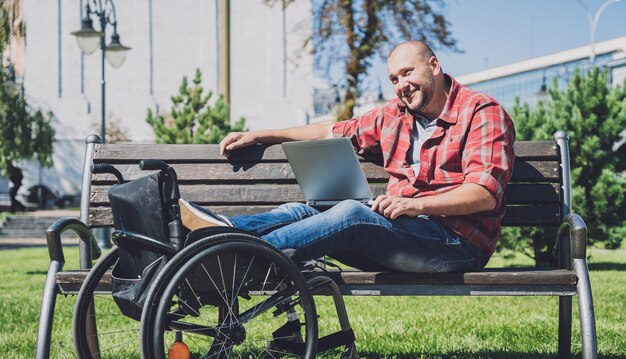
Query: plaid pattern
[(473, 143)]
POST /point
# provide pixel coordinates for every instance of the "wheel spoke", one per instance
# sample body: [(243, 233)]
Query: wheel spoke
[(268, 303), (234, 273), (243, 280), (230, 309)]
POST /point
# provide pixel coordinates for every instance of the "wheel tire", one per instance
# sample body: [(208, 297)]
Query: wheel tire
[(207, 285), (117, 335)]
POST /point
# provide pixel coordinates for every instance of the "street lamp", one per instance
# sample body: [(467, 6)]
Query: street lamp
[(593, 23), (559, 71), (103, 11)]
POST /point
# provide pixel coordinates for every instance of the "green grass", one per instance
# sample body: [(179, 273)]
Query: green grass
[(385, 327)]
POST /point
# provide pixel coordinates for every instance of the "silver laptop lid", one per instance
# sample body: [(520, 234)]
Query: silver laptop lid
[(327, 171)]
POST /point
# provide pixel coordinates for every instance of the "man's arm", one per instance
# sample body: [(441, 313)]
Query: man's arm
[(466, 199), (236, 140), (487, 162)]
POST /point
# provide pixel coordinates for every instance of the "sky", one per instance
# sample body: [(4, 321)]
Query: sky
[(500, 32)]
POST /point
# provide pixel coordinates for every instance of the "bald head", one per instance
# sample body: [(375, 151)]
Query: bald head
[(418, 48), (417, 78)]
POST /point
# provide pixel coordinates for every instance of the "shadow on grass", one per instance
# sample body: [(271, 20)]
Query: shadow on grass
[(36, 272), (478, 355), (606, 266)]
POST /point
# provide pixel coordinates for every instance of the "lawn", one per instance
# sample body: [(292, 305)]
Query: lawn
[(385, 327)]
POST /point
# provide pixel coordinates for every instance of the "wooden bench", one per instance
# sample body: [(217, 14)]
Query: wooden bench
[(259, 178)]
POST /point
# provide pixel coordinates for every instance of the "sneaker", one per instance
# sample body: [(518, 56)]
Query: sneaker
[(195, 217)]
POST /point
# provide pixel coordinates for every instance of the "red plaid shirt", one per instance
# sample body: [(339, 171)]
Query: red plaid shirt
[(473, 143)]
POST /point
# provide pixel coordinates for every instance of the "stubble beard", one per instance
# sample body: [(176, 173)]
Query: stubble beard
[(422, 97)]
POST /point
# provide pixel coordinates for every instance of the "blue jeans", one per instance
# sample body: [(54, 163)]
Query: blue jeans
[(361, 238)]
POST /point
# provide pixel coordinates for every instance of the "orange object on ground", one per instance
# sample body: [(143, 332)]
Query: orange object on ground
[(178, 350)]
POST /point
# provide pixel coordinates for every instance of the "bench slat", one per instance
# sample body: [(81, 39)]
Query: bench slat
[(516, 193), (222, 194), (132, 153), (535, 171), (536, 150), (453, 290), (101, 216), (501, 276), (280, 172), (532, 216), (515, 215), (529, 193), (224, 172)]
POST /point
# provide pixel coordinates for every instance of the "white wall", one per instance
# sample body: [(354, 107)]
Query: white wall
[(184, 37)]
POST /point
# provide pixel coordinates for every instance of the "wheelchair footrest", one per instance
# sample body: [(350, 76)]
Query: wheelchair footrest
[(334, 340), (344, 337)]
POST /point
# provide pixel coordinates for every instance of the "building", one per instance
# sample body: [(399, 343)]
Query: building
[(528, 79), (271, 73)]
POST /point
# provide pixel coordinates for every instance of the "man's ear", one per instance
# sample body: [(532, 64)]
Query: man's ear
[(434, 65)]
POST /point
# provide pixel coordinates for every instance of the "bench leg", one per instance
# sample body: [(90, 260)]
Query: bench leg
[(585, 308), (46, 313), (565, 327)]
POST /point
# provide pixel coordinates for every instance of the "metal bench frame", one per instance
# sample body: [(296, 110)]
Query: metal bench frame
[(572, 278)]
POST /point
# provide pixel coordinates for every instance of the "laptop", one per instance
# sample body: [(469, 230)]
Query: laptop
[(328, 171)]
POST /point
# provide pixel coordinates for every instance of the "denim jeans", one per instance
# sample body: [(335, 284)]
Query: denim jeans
[(361, 238)]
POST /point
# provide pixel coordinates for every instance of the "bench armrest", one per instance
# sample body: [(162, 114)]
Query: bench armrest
[(573, 243), (60, 226)]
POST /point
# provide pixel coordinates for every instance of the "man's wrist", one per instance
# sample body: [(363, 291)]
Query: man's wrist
[(265, 136), (418, 205)]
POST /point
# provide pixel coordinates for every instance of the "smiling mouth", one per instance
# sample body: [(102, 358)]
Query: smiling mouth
[(409, 94)]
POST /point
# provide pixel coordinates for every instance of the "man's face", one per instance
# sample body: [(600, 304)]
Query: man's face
[(412, 78)]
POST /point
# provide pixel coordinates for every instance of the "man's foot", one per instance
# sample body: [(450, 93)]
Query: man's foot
[(195, 217)]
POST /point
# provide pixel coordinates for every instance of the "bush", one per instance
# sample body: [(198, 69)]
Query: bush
[(594, 115), (192, 118)]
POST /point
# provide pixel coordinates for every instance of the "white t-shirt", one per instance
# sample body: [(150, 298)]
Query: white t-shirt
[(423, 128)]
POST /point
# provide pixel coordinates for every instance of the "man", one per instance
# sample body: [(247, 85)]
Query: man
[(449, 153), (15, 182)]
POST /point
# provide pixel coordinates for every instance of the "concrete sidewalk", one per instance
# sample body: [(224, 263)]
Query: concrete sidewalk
[(52, 213), (15, 243)]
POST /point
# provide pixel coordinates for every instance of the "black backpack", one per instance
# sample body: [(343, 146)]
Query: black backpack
[(139, 206)]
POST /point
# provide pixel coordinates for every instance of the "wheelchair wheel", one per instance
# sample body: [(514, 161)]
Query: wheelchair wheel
[(230, 295), (100, 330)]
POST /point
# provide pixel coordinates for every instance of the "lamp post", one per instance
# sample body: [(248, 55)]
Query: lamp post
[(593, 23), (103, 12)]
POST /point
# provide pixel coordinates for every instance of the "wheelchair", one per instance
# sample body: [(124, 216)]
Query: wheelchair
[(216, 292)]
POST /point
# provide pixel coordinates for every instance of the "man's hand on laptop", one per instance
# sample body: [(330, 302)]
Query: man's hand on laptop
[(236, 140), (393, 207)]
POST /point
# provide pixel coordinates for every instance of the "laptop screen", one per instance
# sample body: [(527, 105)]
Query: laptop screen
[(327, 170)]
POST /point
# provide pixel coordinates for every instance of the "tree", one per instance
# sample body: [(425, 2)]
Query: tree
[(192, 118), (25, 132), (351, 32), (594, 115)]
